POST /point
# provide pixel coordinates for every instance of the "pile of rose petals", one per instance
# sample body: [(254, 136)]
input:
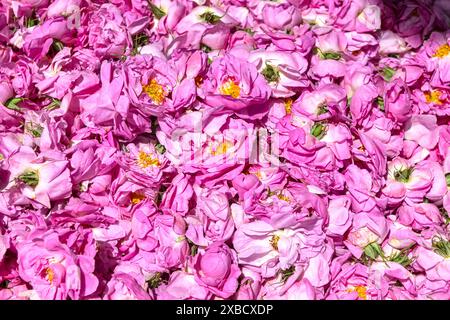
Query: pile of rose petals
[(224, 149)]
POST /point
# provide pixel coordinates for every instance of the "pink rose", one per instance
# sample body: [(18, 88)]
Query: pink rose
[(217, 270), (234, 85), (107, 32), (53, 270)]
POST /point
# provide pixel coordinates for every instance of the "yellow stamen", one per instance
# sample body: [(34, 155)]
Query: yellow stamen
[(288, 105), (274, 241), (283, 197), (146, 160), (230, 88), (136, 197), (49, 274), (433, 97), (360, 290), (442, 51), (155, 91), (222, 148)]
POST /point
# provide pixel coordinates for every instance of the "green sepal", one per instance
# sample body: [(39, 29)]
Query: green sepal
[(372, 250), (387, 73), (12, 104), (318, 130), (30, 177), (157, 12), (271, 73)]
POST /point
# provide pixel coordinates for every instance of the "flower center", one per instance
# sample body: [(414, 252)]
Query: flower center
[(155, 91), (222, 148), (403, 175), (274, 241), (210, 17), (230, 88), (271, 73), (30, 177), (433, 97), (49, 274), (360, 290), (136, 197), (145, 160), (442, 51), (288, 105), (283, 197)]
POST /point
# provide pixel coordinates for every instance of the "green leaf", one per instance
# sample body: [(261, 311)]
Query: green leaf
[(447, 179), (387, 73), (157, 12)]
